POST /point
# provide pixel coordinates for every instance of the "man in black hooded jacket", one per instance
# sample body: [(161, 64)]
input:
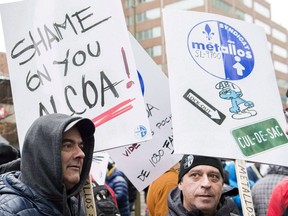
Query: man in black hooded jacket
[(56, 159)]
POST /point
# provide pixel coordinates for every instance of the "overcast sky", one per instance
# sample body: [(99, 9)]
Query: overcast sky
[(278, 13)]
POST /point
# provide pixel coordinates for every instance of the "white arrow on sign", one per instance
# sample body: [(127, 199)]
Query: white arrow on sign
[(204, 106)]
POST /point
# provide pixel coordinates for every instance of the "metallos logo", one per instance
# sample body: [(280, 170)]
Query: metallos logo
[(220, 50)]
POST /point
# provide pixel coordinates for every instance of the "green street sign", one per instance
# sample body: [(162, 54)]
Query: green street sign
[(259, 137)]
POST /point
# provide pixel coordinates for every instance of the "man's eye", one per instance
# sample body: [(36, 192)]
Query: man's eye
[(214, 178), (81, 145), (195, 175), (66, 145)]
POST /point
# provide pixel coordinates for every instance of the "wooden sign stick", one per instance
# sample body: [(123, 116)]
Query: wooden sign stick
[(244, 188), (89, 201)]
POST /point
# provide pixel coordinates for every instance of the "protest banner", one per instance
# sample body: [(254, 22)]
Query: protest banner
[(99, 167), (143, 162), (224, 95), (8, 1), (74, 57)]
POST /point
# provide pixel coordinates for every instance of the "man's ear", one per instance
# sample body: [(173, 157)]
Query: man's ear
[(180, 185)]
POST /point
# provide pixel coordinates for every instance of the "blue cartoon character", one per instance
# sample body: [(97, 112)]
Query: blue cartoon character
[(240, 107)]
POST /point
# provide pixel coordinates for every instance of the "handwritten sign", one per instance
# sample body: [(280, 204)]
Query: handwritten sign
[(99, 167), (224, 95), (74, 57), (143, 162)]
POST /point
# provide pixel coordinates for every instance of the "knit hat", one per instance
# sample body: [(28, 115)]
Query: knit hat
[(190, 161)]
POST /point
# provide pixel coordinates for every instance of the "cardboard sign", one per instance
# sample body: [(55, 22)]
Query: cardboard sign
[(74, 57), (99, 167), (143, 162), (224, 95)]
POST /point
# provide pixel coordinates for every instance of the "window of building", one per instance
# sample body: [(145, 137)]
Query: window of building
[(129, 20), (280, 51), (240, 15), (186, 4), (149, 33), (223, 6), (148, 15), (154, 51), (261, 9), (143, 1), (247, 3), (129, 3), (132, 3), (266, 27), (279, 35), (279, 66), (248, 18), (282, 83)]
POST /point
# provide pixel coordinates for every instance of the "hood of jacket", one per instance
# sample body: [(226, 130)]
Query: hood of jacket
[(175, 203), (41, 164)]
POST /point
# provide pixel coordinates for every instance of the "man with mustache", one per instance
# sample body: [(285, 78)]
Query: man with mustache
[(200, 189)]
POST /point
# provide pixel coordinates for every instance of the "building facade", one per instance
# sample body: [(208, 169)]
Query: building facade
[(143, 19)]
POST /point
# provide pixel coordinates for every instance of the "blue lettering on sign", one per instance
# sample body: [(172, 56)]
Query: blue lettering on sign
[(220, 50)]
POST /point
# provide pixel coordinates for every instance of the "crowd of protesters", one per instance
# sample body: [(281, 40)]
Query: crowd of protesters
[(55, 163)]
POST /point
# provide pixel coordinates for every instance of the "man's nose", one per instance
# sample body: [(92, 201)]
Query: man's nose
[(205, 181), (79, 152)]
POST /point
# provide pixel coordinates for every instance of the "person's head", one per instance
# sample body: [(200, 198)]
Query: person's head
[(72, 151), (57, 155), (201, 181)]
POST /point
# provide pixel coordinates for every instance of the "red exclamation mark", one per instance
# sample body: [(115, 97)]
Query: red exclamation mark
[(130, 83)]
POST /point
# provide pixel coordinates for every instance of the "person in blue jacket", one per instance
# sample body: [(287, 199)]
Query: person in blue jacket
[(115, 179)]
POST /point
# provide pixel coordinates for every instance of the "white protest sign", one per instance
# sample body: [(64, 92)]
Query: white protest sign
[(99, 167), (143, 162), (8, 1), (224, 95), (74, 57)]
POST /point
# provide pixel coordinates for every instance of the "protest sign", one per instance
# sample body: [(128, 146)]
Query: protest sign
[(99, 167), (143, 162), (224, 95), (74, 57)]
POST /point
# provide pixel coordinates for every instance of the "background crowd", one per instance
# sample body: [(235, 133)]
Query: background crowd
[(48, 177)]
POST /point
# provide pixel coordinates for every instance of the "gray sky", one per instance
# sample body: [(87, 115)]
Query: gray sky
[(278, 14)]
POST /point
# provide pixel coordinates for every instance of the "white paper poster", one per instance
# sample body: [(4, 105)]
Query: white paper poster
[(224, 95), (74, 57), (143, 162), (99, 167)]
